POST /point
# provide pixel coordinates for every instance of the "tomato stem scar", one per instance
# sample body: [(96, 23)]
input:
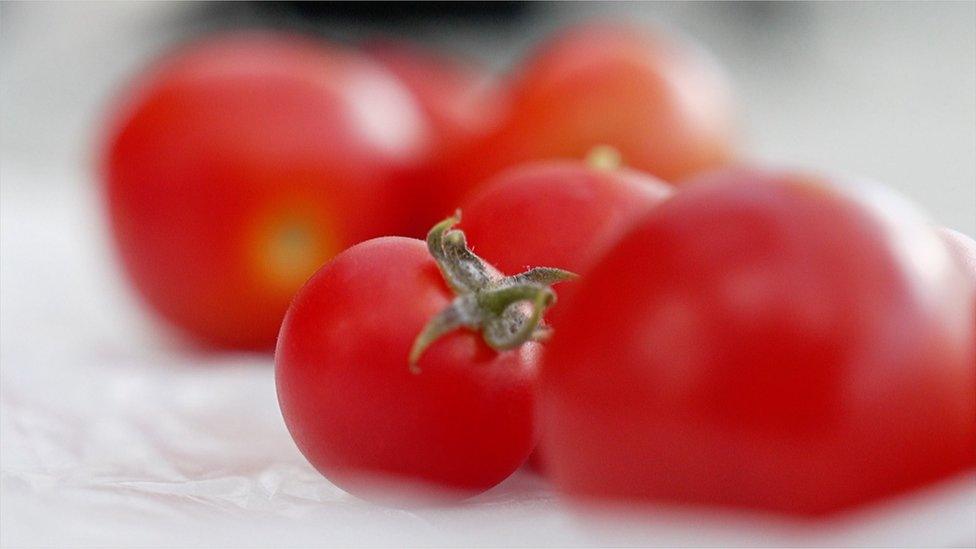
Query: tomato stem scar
[(604, 157)]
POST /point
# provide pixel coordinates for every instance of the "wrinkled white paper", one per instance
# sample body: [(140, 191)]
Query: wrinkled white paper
[(115, 434)]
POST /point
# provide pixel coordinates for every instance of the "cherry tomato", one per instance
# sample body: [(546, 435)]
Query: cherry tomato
[(663, 104), (457, 424), (241, 164), (560, 213), (764, 340), (462, 103)]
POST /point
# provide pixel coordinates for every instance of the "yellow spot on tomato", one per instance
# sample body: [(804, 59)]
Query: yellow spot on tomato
[(289, 246)]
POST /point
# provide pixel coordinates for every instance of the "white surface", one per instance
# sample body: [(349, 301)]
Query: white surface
[(112, 434)]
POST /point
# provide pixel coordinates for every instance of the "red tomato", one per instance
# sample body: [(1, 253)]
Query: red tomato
[(559, 213), (355, 409), (764, 340), (663, 104), (242, 164), (463, 105)]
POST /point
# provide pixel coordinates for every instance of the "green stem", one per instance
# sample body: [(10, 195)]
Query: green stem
[(486, 301)]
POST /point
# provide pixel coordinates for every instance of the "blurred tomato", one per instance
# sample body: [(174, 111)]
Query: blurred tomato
[(664, 104), (239, 165), (462, 104), (557, 213), (769, 341)]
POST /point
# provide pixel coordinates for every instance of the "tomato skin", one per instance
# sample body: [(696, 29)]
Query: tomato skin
[(240, 164), (457, 97), (664, 105), (764, 340), (463, 105), (560, 212), (353, 406)]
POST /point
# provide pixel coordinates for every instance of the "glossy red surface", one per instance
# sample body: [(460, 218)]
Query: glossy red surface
[(460, 426), (764, 340)]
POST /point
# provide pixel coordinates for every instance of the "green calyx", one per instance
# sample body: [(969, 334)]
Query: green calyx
[(507, 310)]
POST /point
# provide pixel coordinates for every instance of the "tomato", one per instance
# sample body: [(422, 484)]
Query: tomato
[(241, 164), (462, 103), (458, 423), (558, 212), (764, 340), (665, 105)]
